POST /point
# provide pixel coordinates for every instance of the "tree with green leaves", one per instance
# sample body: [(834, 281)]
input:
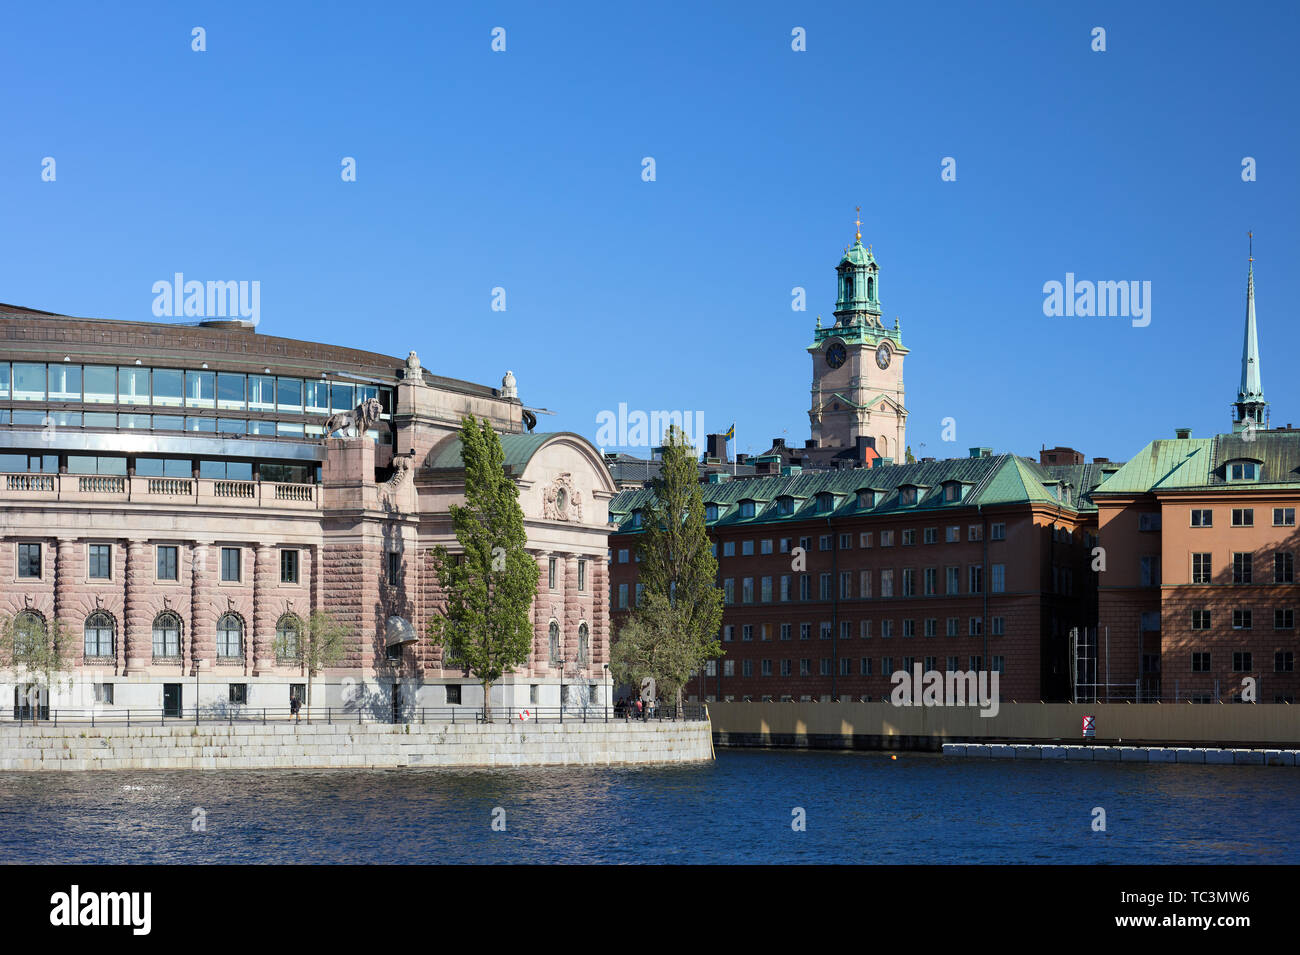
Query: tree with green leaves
[(490, 584), (674, 629), (38, 652), (320, 643)]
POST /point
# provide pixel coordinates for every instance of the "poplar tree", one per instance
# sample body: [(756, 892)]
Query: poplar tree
[(39, 652), (673, 630), (490, 584)]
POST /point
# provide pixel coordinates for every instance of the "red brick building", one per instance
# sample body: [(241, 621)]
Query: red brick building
[(961, 564)]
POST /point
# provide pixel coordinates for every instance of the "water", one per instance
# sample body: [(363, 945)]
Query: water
[(860, 808)]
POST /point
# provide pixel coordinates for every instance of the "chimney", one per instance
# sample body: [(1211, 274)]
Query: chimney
[(716, 447), (1182, 434)]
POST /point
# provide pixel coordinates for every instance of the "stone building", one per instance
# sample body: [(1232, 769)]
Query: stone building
[(172, 497)]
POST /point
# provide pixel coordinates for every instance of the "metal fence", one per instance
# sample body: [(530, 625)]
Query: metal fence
[(266, 715)]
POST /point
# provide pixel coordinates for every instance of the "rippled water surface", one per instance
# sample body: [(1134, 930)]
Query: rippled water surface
[(860, 808)]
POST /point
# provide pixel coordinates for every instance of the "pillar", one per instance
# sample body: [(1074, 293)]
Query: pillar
[(263, 622), (65, 576), (201, 628), (137, 628)]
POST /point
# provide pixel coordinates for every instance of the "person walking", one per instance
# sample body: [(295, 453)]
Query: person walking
[(295, 705)]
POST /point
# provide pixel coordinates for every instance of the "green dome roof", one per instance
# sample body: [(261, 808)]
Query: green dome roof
[(858, 254)]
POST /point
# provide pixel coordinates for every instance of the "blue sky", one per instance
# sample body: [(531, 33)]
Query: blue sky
[(522, 170)]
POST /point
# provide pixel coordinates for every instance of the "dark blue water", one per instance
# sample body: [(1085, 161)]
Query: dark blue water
[(860, 808)]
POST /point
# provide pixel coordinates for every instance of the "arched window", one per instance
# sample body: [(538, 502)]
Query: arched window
[(871, 289), (288, 637), (230, 637), (555, 643), (29, 632), (848, 288), (582, 644), (99, 635), (166, 636)]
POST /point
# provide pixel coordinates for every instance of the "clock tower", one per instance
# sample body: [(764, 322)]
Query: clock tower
[(857, 385)]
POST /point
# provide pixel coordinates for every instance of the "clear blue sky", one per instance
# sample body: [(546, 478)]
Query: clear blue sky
[(523, 170)]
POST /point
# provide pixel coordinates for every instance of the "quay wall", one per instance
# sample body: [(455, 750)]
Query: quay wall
[(882, 725), (351, 746)]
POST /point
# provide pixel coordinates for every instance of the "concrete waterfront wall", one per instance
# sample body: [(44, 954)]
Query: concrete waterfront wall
[(885, 726), (1126, 754), (339, 746)]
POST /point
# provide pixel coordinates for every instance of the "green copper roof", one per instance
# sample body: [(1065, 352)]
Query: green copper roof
[(1186, 463), (1001, 479), (858, 254), (517, 449)]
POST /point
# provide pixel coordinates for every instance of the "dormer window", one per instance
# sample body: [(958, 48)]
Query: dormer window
[(1243, 471), (710, 512), (825, 501), (746, 508), (952, 491), (636, 519), (785, 504), (907, 494), (866, 498)]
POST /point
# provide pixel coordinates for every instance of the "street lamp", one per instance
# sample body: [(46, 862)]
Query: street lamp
[(562, 661), (198, 666), (609, 691)]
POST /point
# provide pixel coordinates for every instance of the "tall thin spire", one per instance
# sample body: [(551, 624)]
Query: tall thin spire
[(1250, 403)]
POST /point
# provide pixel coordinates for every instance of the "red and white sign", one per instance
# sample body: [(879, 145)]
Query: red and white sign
[(1090, 726)]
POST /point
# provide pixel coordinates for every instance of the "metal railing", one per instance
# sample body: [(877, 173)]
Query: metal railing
[(233, 713)]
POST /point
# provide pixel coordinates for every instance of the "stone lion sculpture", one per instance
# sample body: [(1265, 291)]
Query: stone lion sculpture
[(362, 417)]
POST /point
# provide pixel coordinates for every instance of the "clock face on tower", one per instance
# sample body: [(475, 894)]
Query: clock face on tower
[(883, 355), (836, 354)]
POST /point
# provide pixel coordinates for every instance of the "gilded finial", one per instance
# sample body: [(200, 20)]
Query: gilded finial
[(858, 222)]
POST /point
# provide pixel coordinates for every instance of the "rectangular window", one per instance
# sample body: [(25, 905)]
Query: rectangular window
[(805, 587), (825, 630), (952, 534), (783, 545), (886, 629), (29, 561), (1150, 571), (1241, 661), (864, 666), (1241, 620), (582, 576), (623, 555), (997, 626), (805, 667), (931, 535), (886, 666), (846, 542), (864, 539), (100, 561), (909, 582), (785, 631), (765, 546), (238, 692), (953, 579), (728, 548), (846, 584), (976, 626), (826, 666), (1242, 568), (1284, 517), (729, 590), (550, 573), (1283, 619), (997, 532), (230, 570), (909, 628), (886, 583), (167, 562), (864, 584), (909, 537), (622, 596), (785, 667), (765, 667), (1243, 517), (824, 542), (1283, 567), (1283, 661), (1200, 662), (951, 627), (825, 582), (975, 533), (747, 548), (394, 568), (865, 630), (976, 578), (931, 581), (288, 566), (765, 589), (65, 382), (1202, 517), (886, 538), (747, 590), (999, 581), (846, 630), (1200, 568), (805, 631), (785, 586), (1148, 522), (1200, 620)]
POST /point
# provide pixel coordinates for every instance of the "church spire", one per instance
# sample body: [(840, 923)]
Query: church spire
[(1250, 404)]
